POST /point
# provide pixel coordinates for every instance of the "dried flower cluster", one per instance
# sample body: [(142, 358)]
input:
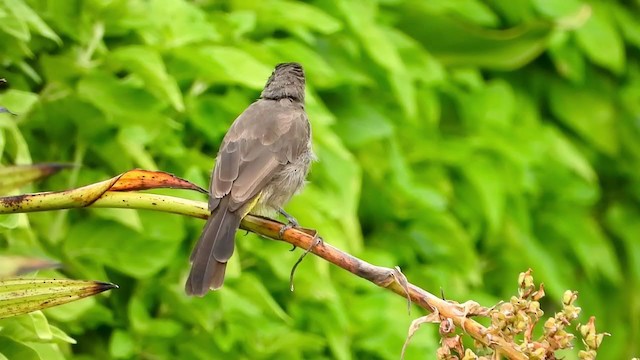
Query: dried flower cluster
[(515, 321)]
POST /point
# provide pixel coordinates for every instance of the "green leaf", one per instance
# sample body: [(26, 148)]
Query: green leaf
[(361, 124), (491, 193), (121, 345), (491, 107), (60, 335), (116, 98), (621, 220), (139, 255), (469, 45), (319, 72), (229, 65), (23, 12), (41, 326), (13, 25), (292, 14), (20, 102), (172, 23), (588, 112), (149, 66), (20, 149), (471, 10), (600, 40), (627, 23), (133, 140), (361, 16), (587, 238), (563, 151), (513, 12), (568, 60), (556, 9), (12, 349)]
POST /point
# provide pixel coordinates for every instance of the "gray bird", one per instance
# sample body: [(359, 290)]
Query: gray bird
[(262, 162)]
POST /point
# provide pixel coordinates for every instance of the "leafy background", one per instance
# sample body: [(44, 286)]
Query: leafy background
[(464, 141)]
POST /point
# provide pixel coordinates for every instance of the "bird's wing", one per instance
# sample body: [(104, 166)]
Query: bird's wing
[(260, 142)]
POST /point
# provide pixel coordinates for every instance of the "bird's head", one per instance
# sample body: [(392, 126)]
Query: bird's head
[(286, 81)]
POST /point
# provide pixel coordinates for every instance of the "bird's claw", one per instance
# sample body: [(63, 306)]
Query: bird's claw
[(291, 222), (290, 225)]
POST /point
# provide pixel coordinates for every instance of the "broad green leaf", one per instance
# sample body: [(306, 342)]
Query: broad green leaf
[(621, 221), (361, 16), (48, 351), (61, 335), (139, 255), (299, 14), (514, 12), (116, 98), (586, 238), (10, 222), (121, 345), (173, 23), (600, 40), (590, 114), (221, 64), (243, 22), (545, 263), (125, 217), (13, 25), (361, 124), (469, 45), (133, 140), (41, 326), (568, 60), (556, 9), (20, 150), (23, 12), (562, 150), (250, 286), (404, 88), (421, 66), (628, 23), (321, 74), (491, 193), (20, 102), (12, 349), (148, 65), (492, 107), (404, 180), (474, 11)]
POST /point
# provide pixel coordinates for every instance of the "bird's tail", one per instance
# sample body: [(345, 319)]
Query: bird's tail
[(213, 250)]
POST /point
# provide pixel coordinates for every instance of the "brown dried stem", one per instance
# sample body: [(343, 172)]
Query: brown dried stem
[(116, 192), (384, 277)]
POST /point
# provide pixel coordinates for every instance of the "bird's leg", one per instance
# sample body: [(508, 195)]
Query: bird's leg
[(291, 222)]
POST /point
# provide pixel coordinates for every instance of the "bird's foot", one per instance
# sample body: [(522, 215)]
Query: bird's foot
[(291, 222)]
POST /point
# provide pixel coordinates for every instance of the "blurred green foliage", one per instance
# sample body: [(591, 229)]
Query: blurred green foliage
[(464, 141)]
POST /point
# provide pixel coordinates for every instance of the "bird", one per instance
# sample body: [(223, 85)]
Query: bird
[(263, 160)]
